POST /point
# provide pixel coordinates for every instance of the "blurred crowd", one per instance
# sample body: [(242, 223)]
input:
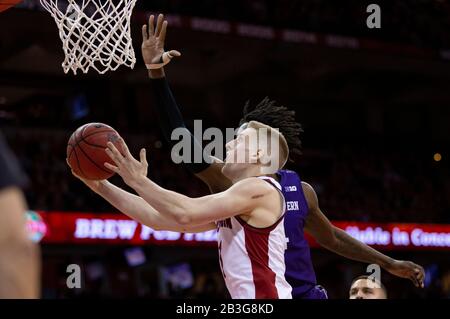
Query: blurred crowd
[(418, 22), (111, 277), (352, 183), (359, 183), (107, 275)]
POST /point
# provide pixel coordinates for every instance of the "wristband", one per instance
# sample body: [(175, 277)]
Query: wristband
[(165, 58)]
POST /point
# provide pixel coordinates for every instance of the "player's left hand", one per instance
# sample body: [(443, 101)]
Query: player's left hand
[(408, 270), (130, 169)]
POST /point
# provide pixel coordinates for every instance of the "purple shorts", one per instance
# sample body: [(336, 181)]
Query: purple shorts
[(316, 292)]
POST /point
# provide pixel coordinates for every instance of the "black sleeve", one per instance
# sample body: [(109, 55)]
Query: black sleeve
[(10, 172), (170, 118)]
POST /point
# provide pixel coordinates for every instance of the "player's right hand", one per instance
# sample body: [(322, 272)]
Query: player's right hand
[(94, 185), (153, 39)]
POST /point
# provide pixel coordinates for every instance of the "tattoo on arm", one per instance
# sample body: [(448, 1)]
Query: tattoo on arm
[(257, 196)]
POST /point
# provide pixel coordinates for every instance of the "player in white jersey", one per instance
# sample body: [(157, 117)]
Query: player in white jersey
[(249, 214), (252, 259)]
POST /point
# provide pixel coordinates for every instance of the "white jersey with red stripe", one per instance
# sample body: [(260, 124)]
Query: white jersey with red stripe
[(252, 259)]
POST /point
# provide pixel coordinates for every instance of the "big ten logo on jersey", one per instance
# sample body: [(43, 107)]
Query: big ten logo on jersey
[(291, 188), (292, 205), (225, 223)]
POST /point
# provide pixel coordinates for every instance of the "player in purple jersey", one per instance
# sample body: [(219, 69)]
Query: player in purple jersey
[(299, 269), (303, 211)]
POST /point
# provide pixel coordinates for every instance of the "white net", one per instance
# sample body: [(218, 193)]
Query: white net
[(94, 33)]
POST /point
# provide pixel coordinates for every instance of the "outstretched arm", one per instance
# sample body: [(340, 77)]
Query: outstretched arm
[(237, 200), (241, 199), (339, 242), (168, 112), (138, 209)]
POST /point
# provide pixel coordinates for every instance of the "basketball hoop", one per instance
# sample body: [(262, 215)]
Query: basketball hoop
[(94, 33)]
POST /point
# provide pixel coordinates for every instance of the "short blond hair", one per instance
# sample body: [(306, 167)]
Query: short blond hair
[(283, 154)]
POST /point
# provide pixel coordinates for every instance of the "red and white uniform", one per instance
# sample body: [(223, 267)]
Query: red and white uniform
[(252, 259)]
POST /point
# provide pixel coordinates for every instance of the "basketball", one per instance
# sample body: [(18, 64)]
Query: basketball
[(6, 4), (86, 150)]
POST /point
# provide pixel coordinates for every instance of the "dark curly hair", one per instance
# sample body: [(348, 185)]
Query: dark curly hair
[(280, 117)]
